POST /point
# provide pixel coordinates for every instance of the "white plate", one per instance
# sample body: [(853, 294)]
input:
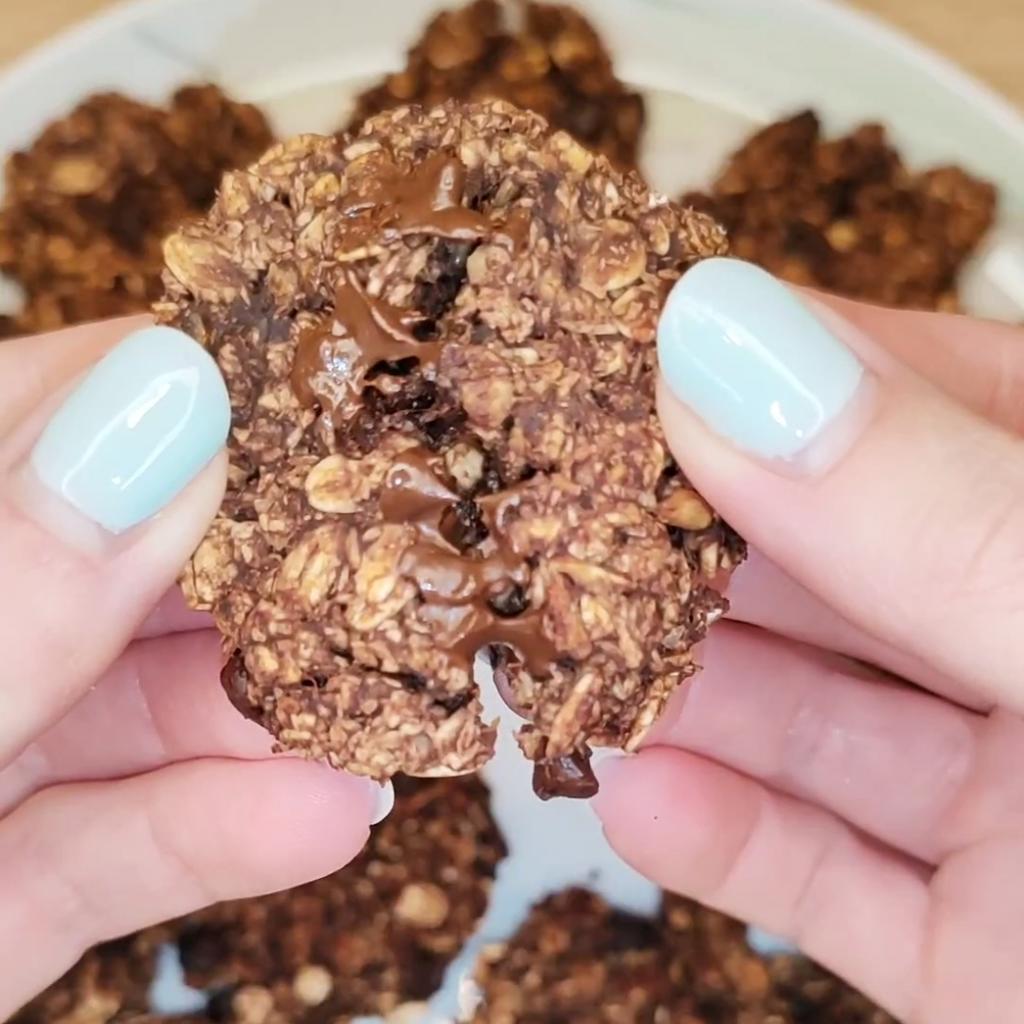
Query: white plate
[(712, 69)]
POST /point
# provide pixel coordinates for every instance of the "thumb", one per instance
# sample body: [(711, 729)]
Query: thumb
[(100, 506), (895, 505)]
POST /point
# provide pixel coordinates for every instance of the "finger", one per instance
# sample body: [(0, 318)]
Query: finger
[(914, 771), (893, 504), (115, 496), (763, 595), (978, 363), (159, 703), (172, 615), (84, 863), (700, 829), (977, 932)]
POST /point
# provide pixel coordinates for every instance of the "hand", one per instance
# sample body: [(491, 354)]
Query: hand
[(872, 460), (130, 790)]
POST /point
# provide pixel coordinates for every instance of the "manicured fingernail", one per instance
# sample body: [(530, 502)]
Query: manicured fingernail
[(605, 762), (768, 944), (385, 797), (752, 360), (148, 417)]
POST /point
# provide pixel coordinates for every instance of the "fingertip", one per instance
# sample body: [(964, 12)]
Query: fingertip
[(741, 350), (674, 816), (310, 819), (269, 825), (642, 786)]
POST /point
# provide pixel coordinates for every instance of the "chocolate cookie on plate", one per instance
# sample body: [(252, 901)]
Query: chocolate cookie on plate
[(547, 58)]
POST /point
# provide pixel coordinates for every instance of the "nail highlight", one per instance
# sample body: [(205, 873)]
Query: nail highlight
[(385, 796), (142, 424), (752, 360)]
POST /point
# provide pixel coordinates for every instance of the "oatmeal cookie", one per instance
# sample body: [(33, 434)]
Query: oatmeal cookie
[(575, 958), (846, 214), (87, 205), (722, 980), (542, 57), (439, 341)]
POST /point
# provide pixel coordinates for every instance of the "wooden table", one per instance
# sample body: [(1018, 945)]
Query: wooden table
[(985, 36)]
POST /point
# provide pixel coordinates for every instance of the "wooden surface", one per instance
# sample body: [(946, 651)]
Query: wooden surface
[(984, 36)]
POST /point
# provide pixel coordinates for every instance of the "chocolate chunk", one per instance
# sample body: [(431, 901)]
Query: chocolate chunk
[(462, 525), (510, 602), (235, 680), (569, 775)]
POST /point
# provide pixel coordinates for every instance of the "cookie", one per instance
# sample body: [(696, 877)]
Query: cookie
[(542, 57), (722, 980), (846, 214), (439, 341), (576, 958), (369, 939), (87, 205)]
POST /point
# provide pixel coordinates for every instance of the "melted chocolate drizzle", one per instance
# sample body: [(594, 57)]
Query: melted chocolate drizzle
[(414, 494), (332, 360), (429, 199), (425, 199), (457, 588)]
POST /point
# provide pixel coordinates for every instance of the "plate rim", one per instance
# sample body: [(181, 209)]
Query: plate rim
[(871, 27)]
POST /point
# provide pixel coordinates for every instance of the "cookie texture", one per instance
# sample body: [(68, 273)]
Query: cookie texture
[(541, 57), (848, 216), (438, 338), (577, 959), (87, 205)]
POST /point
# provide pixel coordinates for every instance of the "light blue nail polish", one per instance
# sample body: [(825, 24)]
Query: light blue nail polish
[(138, 428), (743, 352)]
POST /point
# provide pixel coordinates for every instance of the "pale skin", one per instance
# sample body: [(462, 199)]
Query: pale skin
[(880, 824), (130, 790)]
